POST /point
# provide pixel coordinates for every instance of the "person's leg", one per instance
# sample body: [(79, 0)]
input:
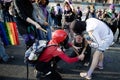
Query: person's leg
[(87, 56), (95, 60), (54, 76), (100, 63), (118, 34), (59, 21), (55, 22), (48, 71), (73, 54), (3, 54)]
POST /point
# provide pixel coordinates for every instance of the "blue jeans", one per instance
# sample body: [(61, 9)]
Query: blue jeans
[(49, 33), (43, 35), (3, 54)]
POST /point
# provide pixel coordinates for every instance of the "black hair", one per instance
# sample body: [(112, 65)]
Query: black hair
[(58, 4), (47, 2), (65, 43), (78, 26)]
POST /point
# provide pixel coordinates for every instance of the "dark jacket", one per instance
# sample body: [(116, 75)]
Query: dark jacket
[(24, 10)]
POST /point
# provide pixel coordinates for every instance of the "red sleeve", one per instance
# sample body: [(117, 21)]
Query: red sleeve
[(67, 59)]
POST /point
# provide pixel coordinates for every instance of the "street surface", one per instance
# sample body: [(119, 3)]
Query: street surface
[(16, 70)]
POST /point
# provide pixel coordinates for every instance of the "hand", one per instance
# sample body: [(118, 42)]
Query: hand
[(81, 57), (39, 27), (89, 41), (46, 23)]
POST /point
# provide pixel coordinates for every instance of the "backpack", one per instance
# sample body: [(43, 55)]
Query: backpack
[(35, 51), (59, 11)]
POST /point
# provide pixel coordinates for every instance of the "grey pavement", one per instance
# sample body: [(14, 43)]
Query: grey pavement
[(16, 70)]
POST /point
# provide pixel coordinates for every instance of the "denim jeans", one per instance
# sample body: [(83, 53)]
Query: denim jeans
[(49, 33), (43, 35), (3, 54)]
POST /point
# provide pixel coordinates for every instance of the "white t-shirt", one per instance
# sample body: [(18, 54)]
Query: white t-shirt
[(101, 35), (57, 9)]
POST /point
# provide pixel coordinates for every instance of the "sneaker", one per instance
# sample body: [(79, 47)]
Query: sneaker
[(100, 67), (86, 64), (9, 60), (84, 75), (1, 61), (12, 57)]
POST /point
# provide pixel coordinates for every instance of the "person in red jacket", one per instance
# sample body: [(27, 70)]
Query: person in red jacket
[(59, 38)]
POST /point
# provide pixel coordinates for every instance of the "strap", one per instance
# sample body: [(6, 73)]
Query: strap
[(27, 71), (29, 28), (51, 45)]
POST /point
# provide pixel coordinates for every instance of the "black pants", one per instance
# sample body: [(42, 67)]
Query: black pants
[(46, 68), (59, 18)]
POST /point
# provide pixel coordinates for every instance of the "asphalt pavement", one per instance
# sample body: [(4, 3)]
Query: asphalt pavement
[(16, 70)]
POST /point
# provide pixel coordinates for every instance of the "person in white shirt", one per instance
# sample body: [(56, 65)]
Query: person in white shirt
[(98, 36), (58, 15)]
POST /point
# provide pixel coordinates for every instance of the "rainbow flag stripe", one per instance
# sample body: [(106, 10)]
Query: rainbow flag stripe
[(10, 33)]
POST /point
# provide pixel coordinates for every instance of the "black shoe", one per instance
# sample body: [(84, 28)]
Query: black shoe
[(1, 61), (12, 57)]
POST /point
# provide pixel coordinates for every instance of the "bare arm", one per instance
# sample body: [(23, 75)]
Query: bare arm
[(29, 20)]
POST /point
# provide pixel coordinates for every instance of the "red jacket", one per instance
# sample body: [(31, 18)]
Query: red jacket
[(54, 51)]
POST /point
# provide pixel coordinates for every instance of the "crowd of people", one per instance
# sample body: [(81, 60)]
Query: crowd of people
[(64, 27)]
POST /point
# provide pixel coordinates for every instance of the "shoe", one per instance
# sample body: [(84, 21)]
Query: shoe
[(1, 61), (100, 67), (112, 45), (10, 59), (86, 64), (84, 75)]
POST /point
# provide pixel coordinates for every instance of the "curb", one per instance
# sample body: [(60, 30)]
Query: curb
[(114, 48)]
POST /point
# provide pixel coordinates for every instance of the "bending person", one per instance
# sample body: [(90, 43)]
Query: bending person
[(99, 36), (59, 38)]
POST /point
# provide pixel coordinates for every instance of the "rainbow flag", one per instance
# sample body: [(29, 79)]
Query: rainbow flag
[(3, 34), (11, 33), (16, 33)]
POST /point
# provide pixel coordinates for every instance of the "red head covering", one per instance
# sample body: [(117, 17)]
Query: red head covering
[(59, 36)]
